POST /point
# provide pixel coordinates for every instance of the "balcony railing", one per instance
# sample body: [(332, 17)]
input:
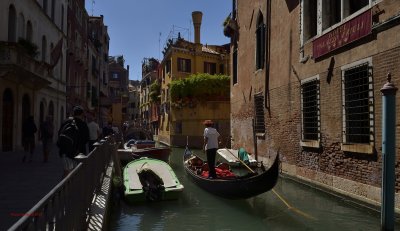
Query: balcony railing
[(12, 54)]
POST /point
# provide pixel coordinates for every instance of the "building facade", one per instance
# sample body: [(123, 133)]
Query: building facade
[(306, 80), (181, 59), (118, 89), (78, 46), (133, 109), (32, 66), (97, 84), (149, 92)]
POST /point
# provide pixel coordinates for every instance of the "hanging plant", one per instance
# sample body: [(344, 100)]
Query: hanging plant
[(155, 89), (199, 87)]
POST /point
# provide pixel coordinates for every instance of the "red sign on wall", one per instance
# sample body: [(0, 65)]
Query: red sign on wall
[(346, 33)]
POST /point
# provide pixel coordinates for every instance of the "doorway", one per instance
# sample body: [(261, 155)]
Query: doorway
[(8, 120)]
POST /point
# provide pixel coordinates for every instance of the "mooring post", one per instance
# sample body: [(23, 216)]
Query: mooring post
[(388, 153)]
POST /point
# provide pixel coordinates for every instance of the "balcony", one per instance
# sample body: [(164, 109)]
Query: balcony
[(18, 66)]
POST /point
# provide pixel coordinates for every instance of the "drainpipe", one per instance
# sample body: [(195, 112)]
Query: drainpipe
[(388, 154)]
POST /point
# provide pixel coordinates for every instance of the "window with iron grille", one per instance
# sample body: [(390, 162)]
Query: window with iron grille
[(310, 109), (357, 98), (259, 122)]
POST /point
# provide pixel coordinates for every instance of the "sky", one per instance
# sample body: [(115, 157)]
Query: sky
[(134, 26)]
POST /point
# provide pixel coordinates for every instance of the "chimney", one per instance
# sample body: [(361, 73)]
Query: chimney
[(196, 17)]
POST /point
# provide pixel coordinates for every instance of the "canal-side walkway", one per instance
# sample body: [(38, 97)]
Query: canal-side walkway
[(25, 184)]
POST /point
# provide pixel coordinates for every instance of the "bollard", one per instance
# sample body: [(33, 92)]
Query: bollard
[(388, 154)]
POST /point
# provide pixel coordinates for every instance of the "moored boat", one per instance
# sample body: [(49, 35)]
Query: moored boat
[(235, 186), (148, 179), (160, 153)]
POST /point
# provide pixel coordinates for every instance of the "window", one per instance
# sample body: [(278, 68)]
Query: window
[(221, 68), (309, 19), (94, 66), (12, 24), (210, 68), (259, 124), (45, 6), (62, 18), (21, 26), (331, 13), (44, 48), (260, 42), (115, 75), (357, 104), (178, 127), (352, 6), (53, 5), (168, 66), (234, 66), (29, 31), (184, 65), (310, 112), (314, 21)]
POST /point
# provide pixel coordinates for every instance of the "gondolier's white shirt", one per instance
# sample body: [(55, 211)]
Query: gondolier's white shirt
[(212, 137)]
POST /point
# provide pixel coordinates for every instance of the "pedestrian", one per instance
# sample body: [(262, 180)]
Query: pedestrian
[(107, 130), (46, 135), (211, 141), (94, 131), (28, 137), (72, 139)]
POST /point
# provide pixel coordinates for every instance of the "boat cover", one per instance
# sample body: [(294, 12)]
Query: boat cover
[(227, 155), (158, 167)]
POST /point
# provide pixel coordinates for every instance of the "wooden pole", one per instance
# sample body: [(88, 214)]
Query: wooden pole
[(241, 161)]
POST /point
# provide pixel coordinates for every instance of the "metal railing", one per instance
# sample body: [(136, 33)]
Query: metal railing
[(66, 206)]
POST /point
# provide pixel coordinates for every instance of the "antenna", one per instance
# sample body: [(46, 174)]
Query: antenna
[(159, 45), (190, 31), (93, 2)]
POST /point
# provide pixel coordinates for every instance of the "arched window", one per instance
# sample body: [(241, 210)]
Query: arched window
[(62, 18), (51, 110), (41, 112), (12, 24), (21, 26), (62, 116), (29, 31), (44, 48), (7, 120), (45, 6), (26, 106), (53, 7), (260, 42)]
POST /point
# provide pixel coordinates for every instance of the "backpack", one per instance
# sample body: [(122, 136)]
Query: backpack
[(68, 139)]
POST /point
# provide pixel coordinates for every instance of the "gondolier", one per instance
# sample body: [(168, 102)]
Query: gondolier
[(211, 141)]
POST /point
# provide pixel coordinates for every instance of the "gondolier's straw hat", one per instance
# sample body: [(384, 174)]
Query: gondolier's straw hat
[(208, 122)]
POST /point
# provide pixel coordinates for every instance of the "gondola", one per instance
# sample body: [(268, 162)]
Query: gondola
[(255, 182)]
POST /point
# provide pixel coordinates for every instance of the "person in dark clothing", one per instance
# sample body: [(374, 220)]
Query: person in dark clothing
[(78, 113), (28, 137), (107, 130), (46, 135)]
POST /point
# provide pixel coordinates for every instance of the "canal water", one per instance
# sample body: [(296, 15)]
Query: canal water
[(289, 206)]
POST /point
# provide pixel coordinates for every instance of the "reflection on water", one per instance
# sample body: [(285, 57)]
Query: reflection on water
[(291, 206)]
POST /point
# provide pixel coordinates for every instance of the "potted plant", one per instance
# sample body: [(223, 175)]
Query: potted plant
[(230, 26)]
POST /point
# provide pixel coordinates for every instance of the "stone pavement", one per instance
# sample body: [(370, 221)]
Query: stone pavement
[(25, 184)]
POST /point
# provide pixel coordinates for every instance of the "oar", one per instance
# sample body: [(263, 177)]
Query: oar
[(304, 214), (241, 161)]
